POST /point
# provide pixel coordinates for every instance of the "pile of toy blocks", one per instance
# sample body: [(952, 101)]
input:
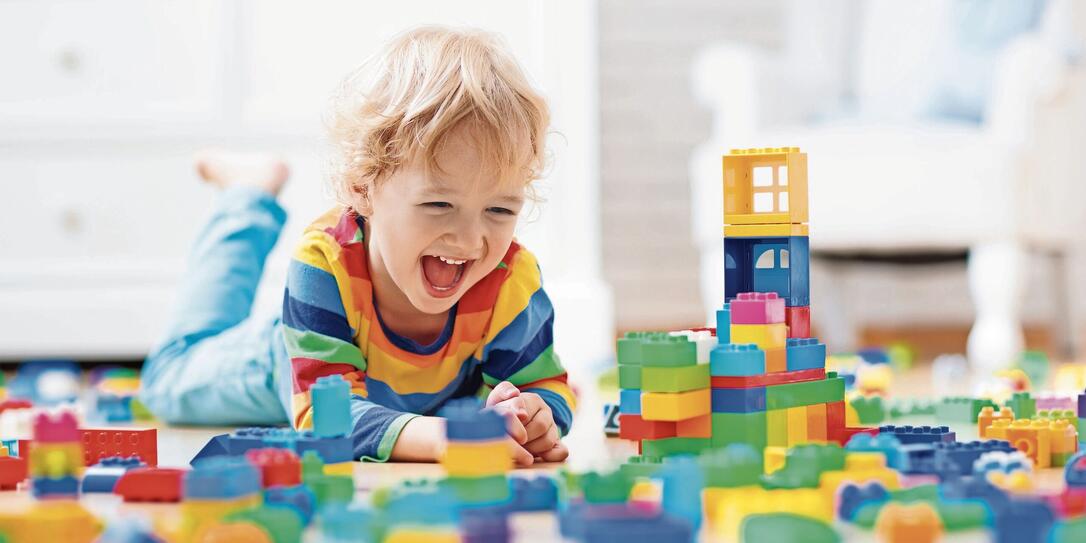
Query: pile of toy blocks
[(56, 458), (1049, 439), (476, 458)]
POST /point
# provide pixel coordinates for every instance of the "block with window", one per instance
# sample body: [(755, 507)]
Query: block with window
[(765, 186), (768, 264)]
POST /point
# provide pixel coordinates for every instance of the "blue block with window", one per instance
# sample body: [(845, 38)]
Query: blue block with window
[(769, 264)]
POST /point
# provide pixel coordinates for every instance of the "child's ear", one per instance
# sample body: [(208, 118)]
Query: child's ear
[(362, 202)]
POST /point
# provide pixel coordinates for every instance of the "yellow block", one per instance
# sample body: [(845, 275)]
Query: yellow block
[(766, 230), (765, 336), (646, 491), (56, 460), (339, 468), (765, 186), (725, 508), (197, 516), (797, 425), (859, 468), (776, 427), (49, 520), (1064, 437), (421, 535), (671, 406), (774, 458), (477, 459)]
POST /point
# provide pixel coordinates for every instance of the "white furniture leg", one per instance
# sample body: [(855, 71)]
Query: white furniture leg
[(996, 281)]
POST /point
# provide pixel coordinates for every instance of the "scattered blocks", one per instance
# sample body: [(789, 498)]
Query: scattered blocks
[(103, 476), (909, 435)]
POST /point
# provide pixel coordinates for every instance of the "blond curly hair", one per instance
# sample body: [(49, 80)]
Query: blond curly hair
[(401, 105)]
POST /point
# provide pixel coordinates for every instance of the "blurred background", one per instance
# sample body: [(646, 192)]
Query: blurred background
[(945, 143)]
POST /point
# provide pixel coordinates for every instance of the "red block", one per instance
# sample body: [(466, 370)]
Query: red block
[(767, 379), (636, 428), (835, 421), (150, 485), (101, 443), (798, 320), (757, 308), (278, 467), (847, 433), (12, 471), (61, 428), (15, 404)]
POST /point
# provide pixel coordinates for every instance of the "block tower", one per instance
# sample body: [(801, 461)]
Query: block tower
[(476, 457), (56, 456)]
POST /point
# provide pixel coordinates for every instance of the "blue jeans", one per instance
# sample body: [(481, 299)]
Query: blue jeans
[(217, 365)]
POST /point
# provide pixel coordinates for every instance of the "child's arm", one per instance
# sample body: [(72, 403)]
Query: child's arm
[(319, 339)]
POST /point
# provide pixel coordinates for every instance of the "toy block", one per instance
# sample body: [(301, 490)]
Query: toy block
[(776, 360), (987, 416), (835, 421), (676, 407), (1022, 404), (106, 442), (629, 348), (816, 422), (465, 421), (682, 485), (148, 484), (765, 230), (738, 400), (61, 428), (13, 470), (632, 528), (739, 428), (724, 325), (798, 320), (333, 450), (704, 339), (331, 399), (700, 427), (629, 376), (629, 402), (1064, 437), (887, 444), (103, 476), (1032, 438), (669, 351), (765, 336), (797, 425), (59, 487), (785, 527), (765, 188), (1023, 520), (869, 409), (731, 466), (216, 446), (635, 427), (670, 446), (55, 460), (804, 465), (736, 360), (830, 389), (961, 409), (221, 478), (757, 308), (860, 467), (1054, 414), (774, 458), (610, 419), (477, 459), (605, 487), (681, 379), (767, 379), (909, 435), (805, 354), (768, 264), (278, 467), (901, 523), (776, 423)]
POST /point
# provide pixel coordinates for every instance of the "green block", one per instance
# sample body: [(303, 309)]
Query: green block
[(657, 379), (489, 489), (629, 376), (807, 393), (869, 409), (628, 349), (609, 487), (331, 488), (282, 523), (670, 446), (958, 515), (1056, 414), (1022, 404), (786, 527), (734, 465), (804, 464), (748, 428), (640, 467), (776, 428), (1059, 460), (1068, 531), (961, 409), (669, 351)]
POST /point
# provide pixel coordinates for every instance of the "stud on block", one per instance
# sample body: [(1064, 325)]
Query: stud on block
[(757, 308), (805, 354), (736, 360), (465, 421)]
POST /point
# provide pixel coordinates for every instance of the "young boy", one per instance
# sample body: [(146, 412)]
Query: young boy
[(413, 290)]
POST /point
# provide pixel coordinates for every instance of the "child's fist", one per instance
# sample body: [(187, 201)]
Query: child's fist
[(536, 432)]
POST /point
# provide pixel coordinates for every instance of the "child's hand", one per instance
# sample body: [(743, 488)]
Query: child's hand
[(505, 399), (540, 438)]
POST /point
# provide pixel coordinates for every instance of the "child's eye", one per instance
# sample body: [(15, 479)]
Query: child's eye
[(502, 211), (437, 205)]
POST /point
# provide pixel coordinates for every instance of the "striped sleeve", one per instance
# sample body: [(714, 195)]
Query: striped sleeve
[(520, 346), (319, 329)]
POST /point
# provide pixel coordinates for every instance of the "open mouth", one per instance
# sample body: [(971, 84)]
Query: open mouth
[(442, 275)]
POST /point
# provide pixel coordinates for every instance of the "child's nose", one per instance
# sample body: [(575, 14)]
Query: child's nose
[(467, 237)]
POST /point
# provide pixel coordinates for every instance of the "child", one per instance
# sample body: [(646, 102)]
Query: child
[(413, 290)]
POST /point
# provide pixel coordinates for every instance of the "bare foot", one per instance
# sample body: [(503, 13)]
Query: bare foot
[(224, 169)]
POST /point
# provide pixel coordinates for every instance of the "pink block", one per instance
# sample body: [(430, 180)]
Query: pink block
[(62, 428), (757, 308)]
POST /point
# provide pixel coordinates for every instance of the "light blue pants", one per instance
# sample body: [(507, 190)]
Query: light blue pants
[(216, 365)]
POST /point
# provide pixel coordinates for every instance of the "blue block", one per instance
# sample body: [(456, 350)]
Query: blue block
[(683, 483), (1024, 521), (112, 408), (41, 487), (533, 494), (805, 354), (216, 446), (103, 476), (299, 498), (918, 434), (621, 523), (917, 459), (887, 444), (331, 397), (245, 439), (960, 457), (731, 360), (789, 281), (738, 400), (465, 420), (1074, 473), (331, 449), (629, 401), (221, 477), (853, 496), (724, 324)]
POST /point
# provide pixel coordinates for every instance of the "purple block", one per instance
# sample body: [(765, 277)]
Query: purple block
[(757, 308), (1082, 405)]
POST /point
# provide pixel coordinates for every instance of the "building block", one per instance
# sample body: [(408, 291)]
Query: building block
[(804, 465), (963, 455), (278, 467), (1032, 438), (61, 428), (738, 400), (1055, 414), (798, 320), (221, 478), (59, 487), (1023, 405), (757, 308), (477, 458), (816, 423), (331, 399), (765, 336), (776, 360), (830, 389), (629, 402), (731, 506), (466, 422), (640, 466), (835, 421), (909, 435), (961, 409), (853, 497), (216, 446), (739, 428), (13, 470), (765, 186), (680, 406), (669, 351), (987, 416), (629, 376), (478, 490), (765, 230), (670, 446), (916, 522), (768, 264), (700, 427), (724, 325), (777, 428), (681, 379), (786, 527), (150, 485), (103, 476), (106, 442), (736, 360), (730, 466), (860, 467), (1023, 521), (610, 419), (682, 485), (887, 444), (797, 425), (333, 450), (767, 379), (1064, 437), (636, 428), (805, 354)]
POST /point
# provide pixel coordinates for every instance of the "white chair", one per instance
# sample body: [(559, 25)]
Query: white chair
[(849, 87)]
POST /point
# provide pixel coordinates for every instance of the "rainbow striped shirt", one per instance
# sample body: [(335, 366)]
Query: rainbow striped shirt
[(500, 330)]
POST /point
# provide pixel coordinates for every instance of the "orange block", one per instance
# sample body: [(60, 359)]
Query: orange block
[(1064, 437), (695, 427), (1033, 439), (816, 422), (988, 416), (776, 360)]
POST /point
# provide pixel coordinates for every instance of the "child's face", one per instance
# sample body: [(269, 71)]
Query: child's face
[(435, 234)]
